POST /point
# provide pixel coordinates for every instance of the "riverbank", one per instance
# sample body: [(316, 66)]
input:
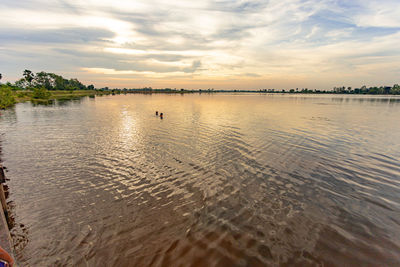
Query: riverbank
[(9, 98), (5, 221), (24, 96), (5, 236)]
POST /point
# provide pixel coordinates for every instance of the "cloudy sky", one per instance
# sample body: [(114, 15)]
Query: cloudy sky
[(222, 44)]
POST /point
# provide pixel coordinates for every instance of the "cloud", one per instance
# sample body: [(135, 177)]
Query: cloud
[(204, 40), (252, 75), (195, 65), (62, 36), (145, 67)]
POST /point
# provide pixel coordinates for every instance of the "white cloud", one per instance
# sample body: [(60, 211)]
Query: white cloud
[(299, 38), (379, 14)]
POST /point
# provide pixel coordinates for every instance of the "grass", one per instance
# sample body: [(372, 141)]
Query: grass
[(7, 98), (23, 96)]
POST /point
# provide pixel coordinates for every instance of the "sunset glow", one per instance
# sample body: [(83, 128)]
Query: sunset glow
[(218, 44)]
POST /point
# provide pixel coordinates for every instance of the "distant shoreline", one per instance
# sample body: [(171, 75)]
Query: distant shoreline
[(44, 87), (21, 96), (161, 91)]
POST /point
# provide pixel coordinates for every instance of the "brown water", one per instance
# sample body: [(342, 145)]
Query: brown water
[(222, 180)]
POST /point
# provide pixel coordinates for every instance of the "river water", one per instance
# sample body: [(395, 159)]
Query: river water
[(222, 180)]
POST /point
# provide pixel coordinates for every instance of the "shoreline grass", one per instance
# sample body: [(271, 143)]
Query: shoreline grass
[(24, 96)]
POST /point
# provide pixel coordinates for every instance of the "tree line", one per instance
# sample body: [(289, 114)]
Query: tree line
[(382, 90), (364, 90), (48, 81), (43, 86)]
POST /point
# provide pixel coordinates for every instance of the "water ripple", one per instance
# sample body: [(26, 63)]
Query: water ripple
[(235, 183)]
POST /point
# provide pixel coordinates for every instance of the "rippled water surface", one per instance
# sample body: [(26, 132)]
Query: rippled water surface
[(222, 180)]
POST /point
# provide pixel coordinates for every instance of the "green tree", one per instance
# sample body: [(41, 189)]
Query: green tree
[(60, 83), (74, 84), (43, 79), (363, 89), (395, 89), (373, 90), (21, 83), (28, 76)]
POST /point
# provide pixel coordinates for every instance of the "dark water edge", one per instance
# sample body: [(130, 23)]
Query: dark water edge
[(220, 181)]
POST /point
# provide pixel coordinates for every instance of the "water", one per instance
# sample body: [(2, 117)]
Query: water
[(222, 180)]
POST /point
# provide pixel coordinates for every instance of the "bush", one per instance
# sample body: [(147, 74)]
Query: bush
[(41, 93), (6, 97), (21, 94)]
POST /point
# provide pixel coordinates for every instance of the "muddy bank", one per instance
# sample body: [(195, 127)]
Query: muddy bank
[(5, 218), (5, 237)]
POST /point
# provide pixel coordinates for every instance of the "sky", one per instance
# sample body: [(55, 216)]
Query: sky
[(222, 44)]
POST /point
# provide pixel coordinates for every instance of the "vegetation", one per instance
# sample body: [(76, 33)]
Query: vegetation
[(49, 81), (6, 97), (44, 87), (41, 93), (382, 90)]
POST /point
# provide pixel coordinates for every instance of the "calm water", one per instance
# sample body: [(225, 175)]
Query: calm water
[(222, 180)]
